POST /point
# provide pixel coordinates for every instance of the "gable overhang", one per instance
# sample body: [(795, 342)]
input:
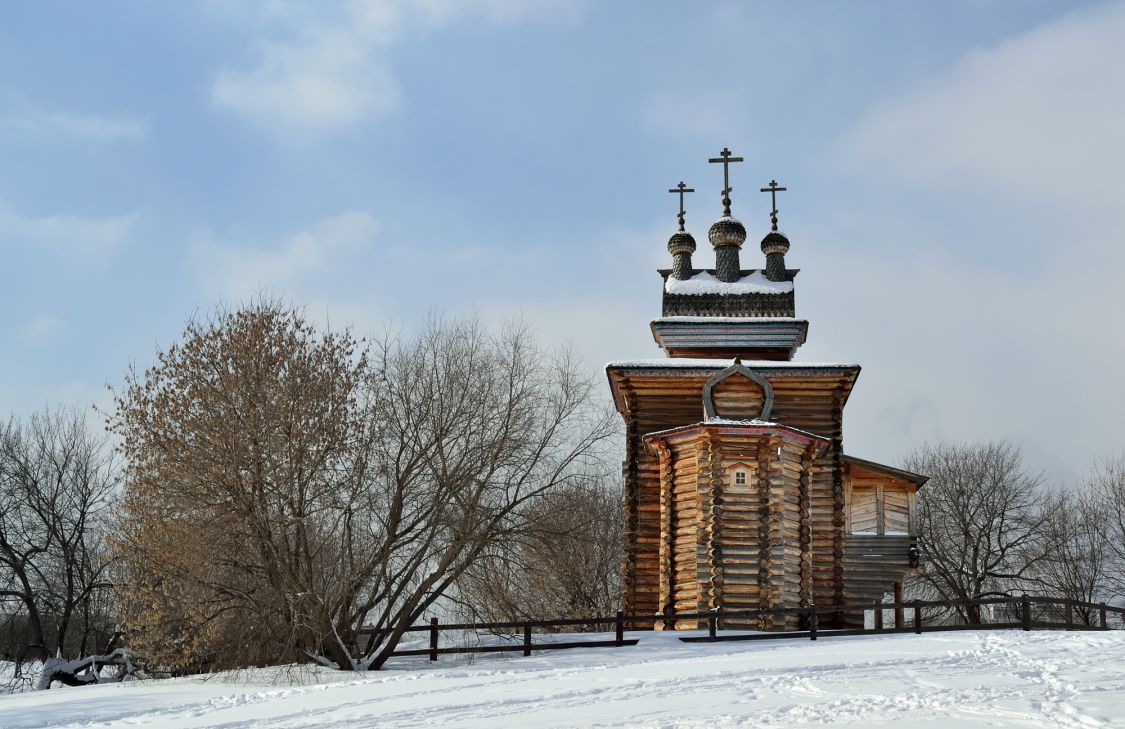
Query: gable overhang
[(915, 478), (620, 373)]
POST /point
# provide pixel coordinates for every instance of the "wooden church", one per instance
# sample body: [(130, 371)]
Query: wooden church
[(738, 492)]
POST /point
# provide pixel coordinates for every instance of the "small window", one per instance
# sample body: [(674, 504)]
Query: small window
[(740, 478)]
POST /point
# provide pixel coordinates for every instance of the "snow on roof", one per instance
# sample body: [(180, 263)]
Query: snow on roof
[(731, 421), (754, 423), (730, 320), (706, 283), (690, 362)]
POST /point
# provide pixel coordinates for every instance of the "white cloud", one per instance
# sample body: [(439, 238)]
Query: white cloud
[(326, 81), (41, 327), (241, 272), (970, 330), (497, 11), (74, 235), (705, 115), (319, 68), (1040, 115), (956, 352), (82, 127)]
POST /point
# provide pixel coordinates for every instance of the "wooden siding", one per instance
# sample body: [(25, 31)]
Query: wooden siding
[(697, 539), (873, 566), (863, 509), (652, 402), (738, 398), (896, 511), (878, 503), (685, 524)]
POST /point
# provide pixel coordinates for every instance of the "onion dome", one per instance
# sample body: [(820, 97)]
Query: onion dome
[(775, 242), (775, 245), (727, 235), (681, 245), (727, 231), (681, 242)]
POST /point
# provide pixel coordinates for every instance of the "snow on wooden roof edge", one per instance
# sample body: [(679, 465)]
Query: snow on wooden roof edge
[(699, 363)]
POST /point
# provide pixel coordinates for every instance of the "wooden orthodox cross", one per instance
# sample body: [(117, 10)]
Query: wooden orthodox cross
[(773, 189), (681, 189), (726, 159)]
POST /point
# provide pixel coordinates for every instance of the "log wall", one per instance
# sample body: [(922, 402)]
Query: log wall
[(657, 401), (738, 398)]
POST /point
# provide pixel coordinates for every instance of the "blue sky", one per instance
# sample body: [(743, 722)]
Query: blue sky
[(954, 175)]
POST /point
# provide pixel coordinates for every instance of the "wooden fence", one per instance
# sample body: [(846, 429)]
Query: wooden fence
[(527, 646), (1019, 612)]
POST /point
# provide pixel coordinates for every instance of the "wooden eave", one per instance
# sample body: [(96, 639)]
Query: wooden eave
[(657, 374), (731, 427), (916, 478)]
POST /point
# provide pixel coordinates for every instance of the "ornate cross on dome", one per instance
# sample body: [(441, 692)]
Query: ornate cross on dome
[(726, 159), (681, 189), (773, 189)]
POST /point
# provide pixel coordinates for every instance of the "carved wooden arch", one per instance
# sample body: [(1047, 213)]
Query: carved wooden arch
[(737, 369)]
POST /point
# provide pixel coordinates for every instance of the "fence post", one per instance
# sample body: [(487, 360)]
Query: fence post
[(669, 617), (1069, 615), (1101, 611), (813, 623), (620, 627), (712, 624), (1025, 609), (900, 613), (433, 639), (918, 617), (527, 638), (879, 614)]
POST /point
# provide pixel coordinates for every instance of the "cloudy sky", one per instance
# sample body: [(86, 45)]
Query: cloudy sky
[(955, 172)]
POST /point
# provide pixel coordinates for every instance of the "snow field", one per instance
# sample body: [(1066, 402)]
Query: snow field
[(967, 679)]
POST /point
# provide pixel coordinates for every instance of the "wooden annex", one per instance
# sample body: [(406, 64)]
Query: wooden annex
[(738, 492)]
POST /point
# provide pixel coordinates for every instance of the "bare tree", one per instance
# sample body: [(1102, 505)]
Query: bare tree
[(472, 428), (1078, 566), (1106, 489), (982, 521), (57, 481), (564, 564), (286, 490)]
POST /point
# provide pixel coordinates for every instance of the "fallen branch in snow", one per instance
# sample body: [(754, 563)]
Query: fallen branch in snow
[(83, 671)]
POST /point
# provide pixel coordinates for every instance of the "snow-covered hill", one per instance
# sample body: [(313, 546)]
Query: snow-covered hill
[(971, 679)]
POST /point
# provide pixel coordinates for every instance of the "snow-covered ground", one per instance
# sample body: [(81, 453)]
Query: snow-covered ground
[(969, 679)]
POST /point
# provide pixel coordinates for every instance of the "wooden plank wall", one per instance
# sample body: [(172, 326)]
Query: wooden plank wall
[(741, 536), (685, 525), (839, 496), (658, 402), (896, 510), (878, 503), (804, 491), (712, 492), (629, 473), (863, 508), (646, 539), (786, 558), (738, 398)]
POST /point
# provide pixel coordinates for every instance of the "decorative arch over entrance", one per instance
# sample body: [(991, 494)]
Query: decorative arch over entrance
[(737, 368)]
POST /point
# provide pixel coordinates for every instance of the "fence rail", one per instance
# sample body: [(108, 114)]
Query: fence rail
[(1021, 616)]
